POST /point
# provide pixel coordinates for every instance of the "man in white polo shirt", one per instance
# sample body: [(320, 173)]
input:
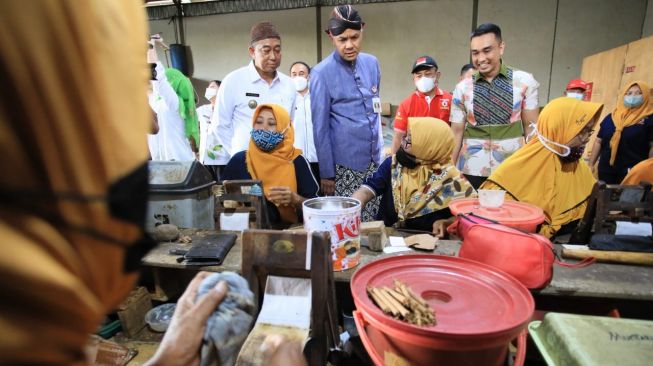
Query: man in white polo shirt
[(244, 89)]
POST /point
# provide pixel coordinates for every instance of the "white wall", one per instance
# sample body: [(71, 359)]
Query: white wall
[(398, 33)]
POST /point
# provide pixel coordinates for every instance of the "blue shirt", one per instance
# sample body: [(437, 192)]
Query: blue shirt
[(634, 145), (306, 184), (381, 183), (346, 130)]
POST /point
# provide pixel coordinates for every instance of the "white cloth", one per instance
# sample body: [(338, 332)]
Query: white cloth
[(171, 142), (303, 124), (208, 137), (232, 117), (153, 146)]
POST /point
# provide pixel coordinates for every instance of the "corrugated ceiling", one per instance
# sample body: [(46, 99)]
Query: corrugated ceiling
[(241, 6)]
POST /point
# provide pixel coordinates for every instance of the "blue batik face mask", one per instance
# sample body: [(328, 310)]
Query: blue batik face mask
[(267, 140), (633, 101)]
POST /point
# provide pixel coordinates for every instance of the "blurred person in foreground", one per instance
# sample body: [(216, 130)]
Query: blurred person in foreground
[(72, 211)]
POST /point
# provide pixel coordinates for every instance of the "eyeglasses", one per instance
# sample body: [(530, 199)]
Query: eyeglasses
[(405, 142)]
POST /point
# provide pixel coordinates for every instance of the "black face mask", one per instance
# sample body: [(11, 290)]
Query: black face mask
[(406, 159), (575, 153), (127, 200)]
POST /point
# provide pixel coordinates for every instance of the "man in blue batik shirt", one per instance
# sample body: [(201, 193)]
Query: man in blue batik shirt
[(346, 110)]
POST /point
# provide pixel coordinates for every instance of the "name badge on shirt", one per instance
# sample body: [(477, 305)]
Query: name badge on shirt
[(376, 103)]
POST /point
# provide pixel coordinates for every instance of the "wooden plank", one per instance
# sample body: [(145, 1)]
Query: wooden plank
[(160, 256), (604, 69), (251, 355), (132, 310), (637, 62), (600, 280), (603, 281), (610, 256)]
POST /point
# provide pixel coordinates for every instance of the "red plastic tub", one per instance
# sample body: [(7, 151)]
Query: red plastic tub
[(519, 215), (478, 310)]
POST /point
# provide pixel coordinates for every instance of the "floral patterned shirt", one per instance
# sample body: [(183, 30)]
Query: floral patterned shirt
[(493, 129)]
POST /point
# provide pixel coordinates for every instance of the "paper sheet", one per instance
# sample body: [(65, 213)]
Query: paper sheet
[(291, 311), (287, 302), (397, 241), (396, 249), (236, 221), (633, 228)]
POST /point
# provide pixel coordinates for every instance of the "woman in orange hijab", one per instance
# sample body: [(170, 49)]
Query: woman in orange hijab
[(547, 172), (272, 159), (642, 172), (626, 135)]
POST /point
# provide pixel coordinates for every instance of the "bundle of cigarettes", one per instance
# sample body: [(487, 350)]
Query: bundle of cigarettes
[(403, 304)]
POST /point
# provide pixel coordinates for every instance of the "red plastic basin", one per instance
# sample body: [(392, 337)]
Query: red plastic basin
[(478, 309), (519, 215)]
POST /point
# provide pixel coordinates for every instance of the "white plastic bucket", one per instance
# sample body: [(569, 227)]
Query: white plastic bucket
[(340, 216)]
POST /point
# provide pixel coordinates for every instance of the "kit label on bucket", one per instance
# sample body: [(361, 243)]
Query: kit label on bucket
[(340, 216)]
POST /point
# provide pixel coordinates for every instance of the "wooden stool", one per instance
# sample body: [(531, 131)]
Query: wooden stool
[(238, 197)]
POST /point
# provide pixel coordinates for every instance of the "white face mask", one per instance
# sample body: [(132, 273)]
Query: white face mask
[(210, 93), (301, 83), (425, 84), (545, 142), (575, 95)]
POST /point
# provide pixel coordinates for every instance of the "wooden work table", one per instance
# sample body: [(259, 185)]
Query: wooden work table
[(600, 280)]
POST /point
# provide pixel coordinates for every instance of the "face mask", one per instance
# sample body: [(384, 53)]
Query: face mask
[(545, 142), (405, 159), (267, 140), (574, 95), (575, 153), (425, 84), (210, 93), (126, 198), (633, 101), (300, 83)]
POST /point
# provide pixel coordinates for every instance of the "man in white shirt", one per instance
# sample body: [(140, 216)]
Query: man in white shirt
[(208, 143), (303, 123), (244, 89), (171, 93)]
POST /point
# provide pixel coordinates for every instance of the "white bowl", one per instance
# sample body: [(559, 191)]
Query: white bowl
[(159, 317), (491, 198)]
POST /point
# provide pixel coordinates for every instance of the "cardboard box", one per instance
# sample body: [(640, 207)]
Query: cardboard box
[(386, 109)]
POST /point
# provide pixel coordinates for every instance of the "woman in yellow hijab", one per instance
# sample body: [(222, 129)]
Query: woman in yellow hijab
[(548, 172), (272, 159), (626, 135), (419, 181)]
